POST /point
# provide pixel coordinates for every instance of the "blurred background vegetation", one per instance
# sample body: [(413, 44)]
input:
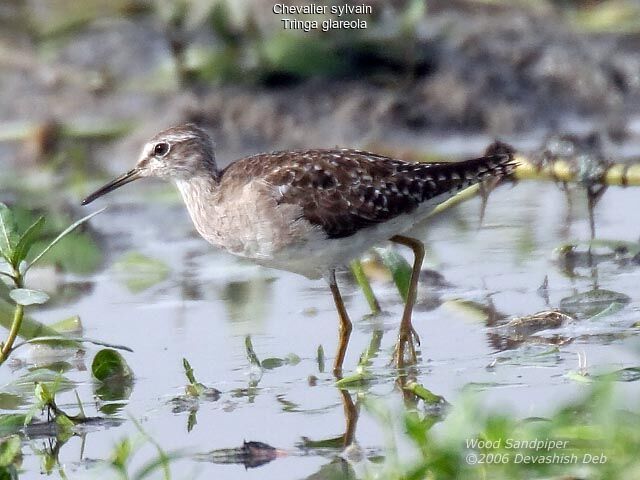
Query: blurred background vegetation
[(98, 70)]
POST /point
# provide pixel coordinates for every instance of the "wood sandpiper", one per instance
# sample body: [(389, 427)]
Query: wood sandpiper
[(309, 211)]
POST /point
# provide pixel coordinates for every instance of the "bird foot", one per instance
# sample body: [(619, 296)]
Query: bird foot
[(407, 337)]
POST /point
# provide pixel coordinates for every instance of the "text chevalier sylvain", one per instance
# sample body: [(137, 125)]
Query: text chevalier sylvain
[(324, 25)]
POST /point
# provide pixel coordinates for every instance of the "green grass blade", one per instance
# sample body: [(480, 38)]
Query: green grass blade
[(363, 282)]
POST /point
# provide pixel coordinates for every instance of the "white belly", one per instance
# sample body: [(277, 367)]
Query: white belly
[(318, 255)]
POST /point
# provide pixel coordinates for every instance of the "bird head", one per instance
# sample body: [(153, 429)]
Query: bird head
[(177, 153)]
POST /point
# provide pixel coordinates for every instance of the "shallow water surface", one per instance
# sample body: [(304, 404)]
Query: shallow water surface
[(209, 302)]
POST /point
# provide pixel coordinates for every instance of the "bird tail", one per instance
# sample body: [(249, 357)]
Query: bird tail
[(450, 177)]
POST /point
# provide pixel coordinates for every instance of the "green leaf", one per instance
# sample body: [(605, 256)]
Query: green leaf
[(121, 453), (109, 365), (292, 359), (8, 235), (43, 394), (251, 354), (610, 310), (425, 394), (195, 388), (26, 296), (64, 233), (275, 362), (9, 450), (29, 329), (26, 241), (320, 359), (25, 384), (65, 426), (399, 268), (71, 324), (192, 421), (594, 303), (271, 363), (188, 371), (140, 272), (68, 342), (76, 253), (11, 423), (579, 377), (360, 378)]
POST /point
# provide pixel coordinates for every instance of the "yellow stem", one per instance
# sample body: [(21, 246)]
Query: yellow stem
[(563, 171), (18, 314), (557, 171)]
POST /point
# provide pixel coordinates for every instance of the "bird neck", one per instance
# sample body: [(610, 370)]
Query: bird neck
[(201, 196)]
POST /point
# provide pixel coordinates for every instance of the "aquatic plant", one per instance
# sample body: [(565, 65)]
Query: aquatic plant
[(15, 247), (591, 437)]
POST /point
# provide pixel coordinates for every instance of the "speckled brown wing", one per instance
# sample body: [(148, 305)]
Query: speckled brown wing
[(344, 191)]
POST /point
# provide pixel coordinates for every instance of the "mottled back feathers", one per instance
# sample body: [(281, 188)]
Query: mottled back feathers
[(343, 191)]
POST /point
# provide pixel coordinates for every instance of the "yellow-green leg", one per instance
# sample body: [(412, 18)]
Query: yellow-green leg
[(344, 329), (407, 334)]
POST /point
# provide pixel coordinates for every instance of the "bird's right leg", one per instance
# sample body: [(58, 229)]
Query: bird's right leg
[(344, 328), (407, 333)]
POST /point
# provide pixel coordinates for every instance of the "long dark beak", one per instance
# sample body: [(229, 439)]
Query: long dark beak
[(128, 177)]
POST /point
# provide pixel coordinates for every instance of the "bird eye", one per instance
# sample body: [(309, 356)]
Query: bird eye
[(161, 149)]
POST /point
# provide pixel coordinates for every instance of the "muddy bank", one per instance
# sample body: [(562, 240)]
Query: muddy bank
[(497, 71), (465, 68)]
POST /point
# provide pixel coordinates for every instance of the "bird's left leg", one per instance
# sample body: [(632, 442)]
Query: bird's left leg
[(345, 324), (407, 334)]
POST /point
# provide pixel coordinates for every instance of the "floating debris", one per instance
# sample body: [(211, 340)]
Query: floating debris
[(521, 330), (530, 324), (590, 253), (250, 454)]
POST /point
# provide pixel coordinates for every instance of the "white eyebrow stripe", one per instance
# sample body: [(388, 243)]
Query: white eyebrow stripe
[(177, 137), (146, 151)]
